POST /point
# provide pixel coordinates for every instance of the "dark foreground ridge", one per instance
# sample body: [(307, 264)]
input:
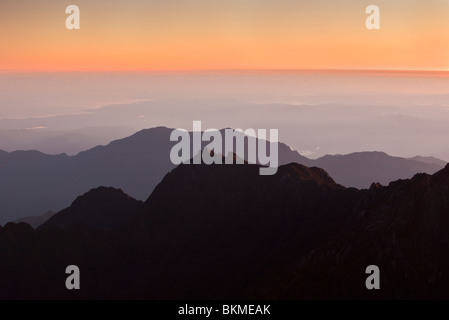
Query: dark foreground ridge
[(224, 231)]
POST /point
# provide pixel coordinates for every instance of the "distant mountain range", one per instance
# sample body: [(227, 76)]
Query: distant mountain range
[(59, 141), (363, 168), (33, 182), (225, 232)]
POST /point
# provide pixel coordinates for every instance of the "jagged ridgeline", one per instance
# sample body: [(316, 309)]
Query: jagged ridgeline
[(224, 231), (34, 183)]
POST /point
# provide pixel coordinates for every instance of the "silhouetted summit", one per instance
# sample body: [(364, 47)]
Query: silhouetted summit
[(101, 208)]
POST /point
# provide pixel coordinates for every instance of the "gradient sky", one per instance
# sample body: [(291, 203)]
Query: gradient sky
[(223, 34)]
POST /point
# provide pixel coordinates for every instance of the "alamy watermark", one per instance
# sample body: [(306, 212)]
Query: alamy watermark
[(373, 280), (73, 20), (73, 281), (259, 149), (372, 22)]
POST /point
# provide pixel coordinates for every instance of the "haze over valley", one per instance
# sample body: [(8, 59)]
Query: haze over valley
[(317, 113)]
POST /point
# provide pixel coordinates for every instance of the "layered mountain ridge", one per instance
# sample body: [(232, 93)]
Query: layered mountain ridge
[(224, 231), (33, 182)]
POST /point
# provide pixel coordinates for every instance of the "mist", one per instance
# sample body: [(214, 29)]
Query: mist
[(316, 112)]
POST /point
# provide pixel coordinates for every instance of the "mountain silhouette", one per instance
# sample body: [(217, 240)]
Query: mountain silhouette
[(33, 182), (101, 208), (360, 169), (431, 160), (401, 228), (224, 231), (36, 221)]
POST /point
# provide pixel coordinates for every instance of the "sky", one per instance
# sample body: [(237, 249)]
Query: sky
[(223, 34)]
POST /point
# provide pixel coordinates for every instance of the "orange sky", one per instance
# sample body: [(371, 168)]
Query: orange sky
[(219, 34)]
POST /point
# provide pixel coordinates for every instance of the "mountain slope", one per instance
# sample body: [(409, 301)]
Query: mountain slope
[(360, 169), (36, 221), (224, 231), (402, 228), (206, 231), (229, 224), (34, 182), (101, 208), (431, 160)]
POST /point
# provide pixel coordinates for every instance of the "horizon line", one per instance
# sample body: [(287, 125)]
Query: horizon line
[(274, 70)]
